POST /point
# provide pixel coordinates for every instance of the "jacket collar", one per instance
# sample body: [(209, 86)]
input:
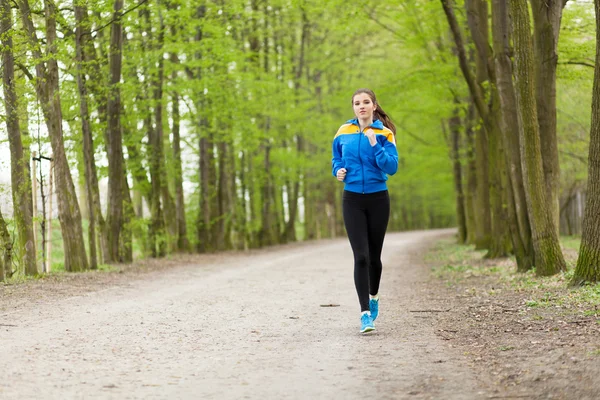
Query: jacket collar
[(377, 124)]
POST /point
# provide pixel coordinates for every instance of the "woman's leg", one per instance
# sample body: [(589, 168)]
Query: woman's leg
[(355, 220), (378, 215)]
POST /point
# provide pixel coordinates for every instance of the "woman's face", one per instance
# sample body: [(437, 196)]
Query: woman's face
[(363, 106)]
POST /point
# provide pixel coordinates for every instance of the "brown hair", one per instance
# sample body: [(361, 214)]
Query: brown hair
[(379, 113)]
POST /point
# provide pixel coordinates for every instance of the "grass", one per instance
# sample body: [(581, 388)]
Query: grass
[(456, 264)]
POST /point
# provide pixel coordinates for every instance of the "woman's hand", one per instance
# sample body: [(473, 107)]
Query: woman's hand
[(370, 134), (341, 174)]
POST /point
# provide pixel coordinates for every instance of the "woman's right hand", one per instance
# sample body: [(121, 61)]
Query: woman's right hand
[(341, 174)]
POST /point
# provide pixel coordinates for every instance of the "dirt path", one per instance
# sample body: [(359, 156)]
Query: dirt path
[(245, 326)]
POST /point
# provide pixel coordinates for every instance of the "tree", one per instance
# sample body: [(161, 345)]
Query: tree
[(516, 203), (547, 16), (5, 251), (588, 263), (20, 174), (454, 125), (114, 137), (48, 91), (548, 255), (91, 178)]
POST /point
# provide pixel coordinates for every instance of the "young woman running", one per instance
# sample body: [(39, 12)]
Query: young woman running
[(364, 153)]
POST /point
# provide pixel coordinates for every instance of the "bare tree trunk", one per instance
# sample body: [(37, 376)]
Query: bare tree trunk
[(232, 230), (126, 242), (221, 240), (88, 141), (5, 251), (114, 136), (182, 239), (157, 227), (293, 198), (588, 263), (47, 87), (96, 86), (213, 195), (547, 16), (482, 199), (19, 163), (454, 125), (168, 204), (471, 177), (548, 255), (489, 190), (517, 205), (500, 243), (204, 222), (244, 231), (266, 233)]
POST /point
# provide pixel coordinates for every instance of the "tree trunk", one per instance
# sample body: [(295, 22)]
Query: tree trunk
[(182, 239), (204, 218), (93, 84), (244, 231), (234, 218), (114, 137), (517, 205), (294, 188), (293, 197), (5, 251), (454, 124), (213, 195), (482, 205), (88, 141), (500, 243), (267, 228), (126, 242), (222, 242), (547, 16), (157, 224), (494, 233), (19, 164), (168, 203), (471, 177), (588, 263), (548, 255), (47, 88)]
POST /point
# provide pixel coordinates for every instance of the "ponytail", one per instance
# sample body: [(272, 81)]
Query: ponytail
[(385, 119), (379, 113)]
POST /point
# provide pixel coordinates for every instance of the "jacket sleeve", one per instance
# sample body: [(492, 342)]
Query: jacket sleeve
[(336, 161), (386, 155)]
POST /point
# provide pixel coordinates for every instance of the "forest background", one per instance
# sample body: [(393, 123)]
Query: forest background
[(208, 126)]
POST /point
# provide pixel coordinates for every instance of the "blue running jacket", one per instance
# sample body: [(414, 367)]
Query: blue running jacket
[(366, 166)]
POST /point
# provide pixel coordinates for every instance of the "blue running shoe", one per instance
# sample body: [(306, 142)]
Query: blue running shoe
[(374, 307), (366, 323)]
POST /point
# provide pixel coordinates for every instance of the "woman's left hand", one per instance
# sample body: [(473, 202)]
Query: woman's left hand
[(370, 134)]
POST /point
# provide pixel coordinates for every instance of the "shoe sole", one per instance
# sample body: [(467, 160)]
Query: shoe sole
[(367, 330)]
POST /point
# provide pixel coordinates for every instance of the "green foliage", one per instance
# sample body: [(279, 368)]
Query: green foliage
[(575, 72), (245, 84)]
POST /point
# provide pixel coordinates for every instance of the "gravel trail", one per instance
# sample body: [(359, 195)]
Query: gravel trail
[(250, 326)]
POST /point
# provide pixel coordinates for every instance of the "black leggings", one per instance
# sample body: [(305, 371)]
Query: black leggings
[(366, 217)]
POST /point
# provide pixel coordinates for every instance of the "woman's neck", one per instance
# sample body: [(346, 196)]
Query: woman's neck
[(364, 123)]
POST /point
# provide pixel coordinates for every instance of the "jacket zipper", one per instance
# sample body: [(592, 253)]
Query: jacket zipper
[(362, 167)]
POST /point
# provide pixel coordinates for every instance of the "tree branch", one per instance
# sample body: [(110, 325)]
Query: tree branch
[(142, 2), (24, 69), (585, 64), (575, 156), (412, 135), (371, 15), (464, 64)]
